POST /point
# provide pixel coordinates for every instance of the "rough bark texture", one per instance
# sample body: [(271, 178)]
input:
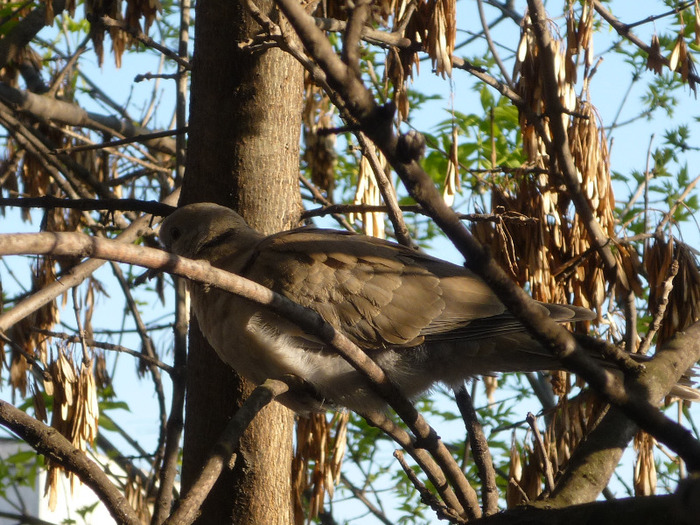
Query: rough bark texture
[(243, 152)]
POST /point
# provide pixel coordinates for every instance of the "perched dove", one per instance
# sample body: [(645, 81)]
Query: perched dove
[(421, 319)]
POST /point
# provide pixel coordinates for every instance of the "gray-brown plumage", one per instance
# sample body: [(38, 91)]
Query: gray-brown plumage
[(423, 320)]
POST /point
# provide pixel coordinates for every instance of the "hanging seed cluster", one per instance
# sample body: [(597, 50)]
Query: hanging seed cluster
[(72, 384), (645, 475), (138, 14), (570, 423), (321, 441), (319, 154), (367, 193), (452, 181), (681, 305), (75, 411), (554, 256)]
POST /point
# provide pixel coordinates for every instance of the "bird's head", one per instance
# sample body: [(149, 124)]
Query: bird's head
[(198, 231)]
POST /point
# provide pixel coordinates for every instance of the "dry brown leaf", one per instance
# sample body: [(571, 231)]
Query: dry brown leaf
[(320, 447), (452, 181), (367, 193), (655, 61), (676, 53), (515, 495), (644, 466)]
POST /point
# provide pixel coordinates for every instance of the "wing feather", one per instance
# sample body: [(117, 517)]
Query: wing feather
[(380, 294)]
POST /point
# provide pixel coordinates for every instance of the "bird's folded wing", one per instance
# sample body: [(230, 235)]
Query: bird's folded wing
[(379, 294)]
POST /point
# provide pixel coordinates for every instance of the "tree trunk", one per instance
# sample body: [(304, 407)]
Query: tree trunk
[(243, 152)]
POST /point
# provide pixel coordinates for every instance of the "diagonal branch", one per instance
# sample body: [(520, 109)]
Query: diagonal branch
[(625, 31), (25, 30), (308, 320), (49, 108), (594, 461), (404, 152), (50, 443), (224, 454)]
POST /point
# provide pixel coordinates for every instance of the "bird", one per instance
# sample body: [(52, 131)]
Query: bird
[(421, 319)]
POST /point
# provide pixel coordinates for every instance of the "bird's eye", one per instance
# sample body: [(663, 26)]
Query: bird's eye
[(175, 234)]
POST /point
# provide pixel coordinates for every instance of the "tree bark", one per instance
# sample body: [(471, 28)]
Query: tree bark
[(243, 152)]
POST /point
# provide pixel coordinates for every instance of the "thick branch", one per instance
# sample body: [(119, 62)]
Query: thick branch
[(340, 78), (680, 508), (49, 442), (480, 451), (48, 108), (223, 454), (595, 459)]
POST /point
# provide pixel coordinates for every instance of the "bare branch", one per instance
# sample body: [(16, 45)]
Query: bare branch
[(435, 474), (25, 30), (159, 209), (168, 471), (145, 40), (542, 452), (661, 310), (624, 31), (353, 31), (49, 108), (492, 47), (108, 346), (54, 446), (76, 275), (388, 193), (480, 451), (679, 509), (223, 454)]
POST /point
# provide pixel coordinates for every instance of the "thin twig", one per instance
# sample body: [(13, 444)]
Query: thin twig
[(661, 309), (426, 496), (624, 30), (145, 40), (492, 47), (318, 196), (542, 452), (107, 346), (424, 460), (386, 188), (156, 208), (114, 143)]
